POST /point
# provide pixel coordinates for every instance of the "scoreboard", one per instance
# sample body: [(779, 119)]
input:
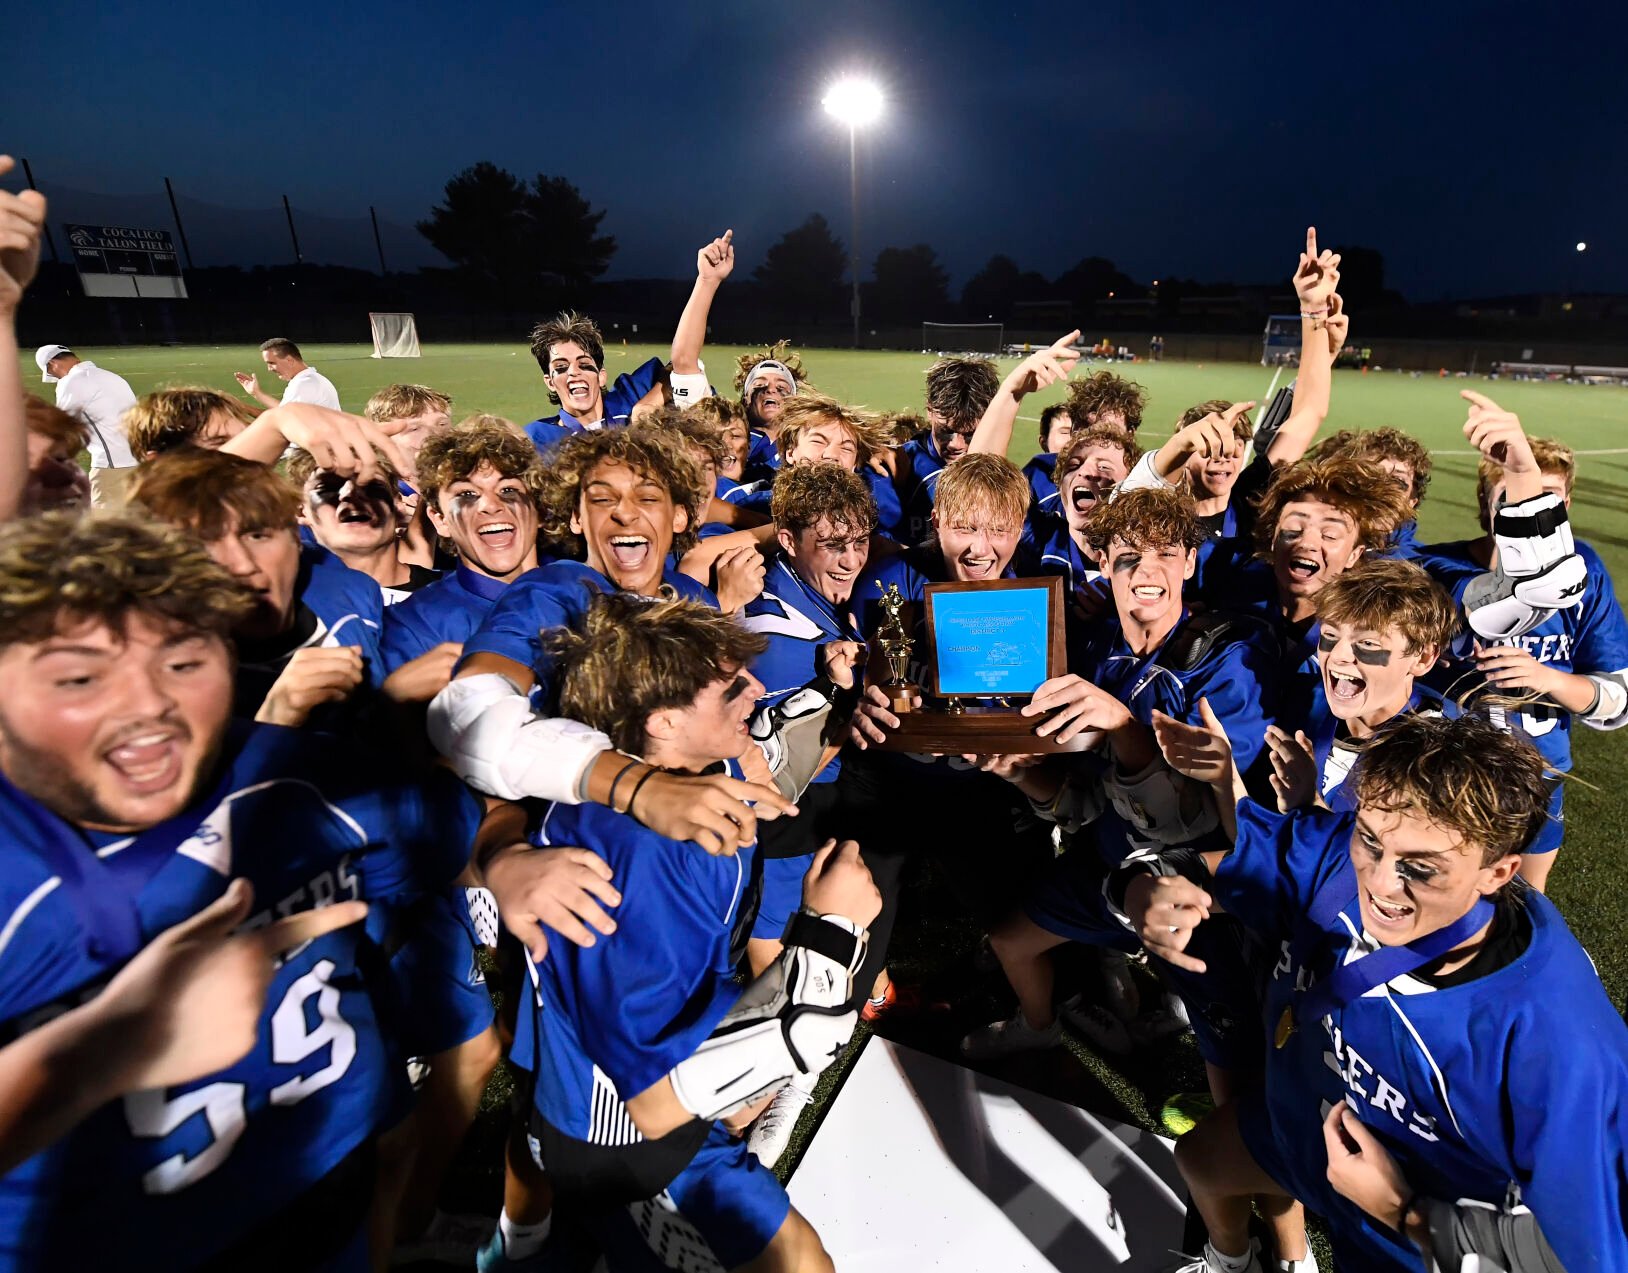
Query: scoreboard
[(115, 260)]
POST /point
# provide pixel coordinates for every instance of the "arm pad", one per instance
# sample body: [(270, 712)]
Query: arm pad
[(1538, 570), (1078, 802), (791, 1020), (1161, 805), (792, 734), (497, 744), (690, 387)]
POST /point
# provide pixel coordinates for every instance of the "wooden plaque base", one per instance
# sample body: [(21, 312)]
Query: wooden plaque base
[(984, 731)]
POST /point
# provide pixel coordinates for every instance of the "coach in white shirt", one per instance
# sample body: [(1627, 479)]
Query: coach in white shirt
[(98, 399), (305, 383)]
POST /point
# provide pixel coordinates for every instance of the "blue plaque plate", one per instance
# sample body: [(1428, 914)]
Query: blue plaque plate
[(991, 641)]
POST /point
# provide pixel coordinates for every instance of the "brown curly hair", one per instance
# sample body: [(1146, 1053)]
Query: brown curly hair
[(1464, 774), (1380, 594), (1360, 489), (1103, 435), (631, 657), (653, 451), (455, 453), (1380, 444), (67, 568), (1105, 391), (1242, 428), (804, 493), (1153, 517), (959, 389), (698, 431)]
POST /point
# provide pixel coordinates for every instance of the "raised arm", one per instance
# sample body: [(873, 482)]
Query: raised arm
[(22, 220), (1044, 367), (1316, 283), (337, 440), (713, 264)]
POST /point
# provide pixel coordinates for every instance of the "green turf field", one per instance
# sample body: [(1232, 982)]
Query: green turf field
[(1592, 419), (931, 944)]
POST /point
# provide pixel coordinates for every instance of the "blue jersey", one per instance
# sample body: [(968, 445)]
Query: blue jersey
[(761, 457), (1404, 544), (1334, 751), (1237, 674), (1040, 471), (1590, 637), (753, 495), (917, 460), (1518, 1076), (450, 609), (613, 1019), (798, 621), (348, 603), (555, 595), (619, 399), (164, 1179), (1047, 548)]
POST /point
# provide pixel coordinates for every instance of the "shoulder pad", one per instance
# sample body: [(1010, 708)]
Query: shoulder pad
[(1202, 635)]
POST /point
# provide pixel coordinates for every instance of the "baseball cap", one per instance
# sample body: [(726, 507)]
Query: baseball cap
[(43, 355)]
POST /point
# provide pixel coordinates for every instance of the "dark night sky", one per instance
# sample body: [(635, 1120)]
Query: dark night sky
[(1473, 144)]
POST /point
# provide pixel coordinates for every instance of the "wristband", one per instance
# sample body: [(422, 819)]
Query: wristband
[(638, 787), (610, 800), (1313, 313)]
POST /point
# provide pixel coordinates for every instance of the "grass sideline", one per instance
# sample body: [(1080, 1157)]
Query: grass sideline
[(1586, 882)]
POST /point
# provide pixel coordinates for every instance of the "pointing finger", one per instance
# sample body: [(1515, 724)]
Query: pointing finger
[(296, 930)]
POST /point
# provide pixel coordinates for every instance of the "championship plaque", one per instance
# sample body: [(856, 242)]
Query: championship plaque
[(989, 647)]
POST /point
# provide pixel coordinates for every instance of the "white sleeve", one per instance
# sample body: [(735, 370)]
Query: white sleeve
[(486, 729), (1143, 477)]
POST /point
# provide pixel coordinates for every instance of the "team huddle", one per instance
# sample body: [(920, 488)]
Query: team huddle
[(592, 707)]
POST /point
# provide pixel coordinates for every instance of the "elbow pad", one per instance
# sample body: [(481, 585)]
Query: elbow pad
[(497, 744), (1539, 570), (791, 1020), (1078, 802), (1161, 805), (792, 735)]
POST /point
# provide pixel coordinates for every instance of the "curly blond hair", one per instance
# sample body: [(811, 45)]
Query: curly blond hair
[(980, 487), (1384, 443), (59, 569)]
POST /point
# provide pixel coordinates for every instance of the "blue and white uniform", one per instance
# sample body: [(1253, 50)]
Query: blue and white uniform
[(1238, 678), (166, 1179), (918, 460), (1041, 470), (1518, 1076), (555, 595), (1335, 754), (620, 397), (450, 609), (798, 622), (1590, 639), (614, 1019), (438, 973)]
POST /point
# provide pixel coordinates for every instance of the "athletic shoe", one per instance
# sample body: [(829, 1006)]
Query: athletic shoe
[(771, 1132), (1097, 1026), (1211, 1262), (1183, 1111), (1124, 997), (1007, 1038), (449, 1239), (900, 1001)]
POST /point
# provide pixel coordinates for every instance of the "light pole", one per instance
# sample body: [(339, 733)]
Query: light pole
[(1571, 275), (855, 102)]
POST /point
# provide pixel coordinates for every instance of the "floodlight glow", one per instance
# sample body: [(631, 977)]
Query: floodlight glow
[(1582, 247), (855, 102)]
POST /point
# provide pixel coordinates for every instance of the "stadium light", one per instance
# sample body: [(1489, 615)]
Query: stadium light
[(855, 102), (1582, 247)]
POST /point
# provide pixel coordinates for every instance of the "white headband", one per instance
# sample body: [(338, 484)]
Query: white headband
[(762, 369)]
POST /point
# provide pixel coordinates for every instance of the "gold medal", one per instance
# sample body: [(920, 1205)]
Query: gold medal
[(1280, 1036)]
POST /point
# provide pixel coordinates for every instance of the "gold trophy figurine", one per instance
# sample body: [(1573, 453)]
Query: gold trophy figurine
[(903, 694)]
